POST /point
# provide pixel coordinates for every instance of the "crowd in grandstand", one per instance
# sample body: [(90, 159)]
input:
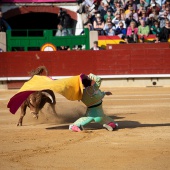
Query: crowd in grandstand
[(131, 20)]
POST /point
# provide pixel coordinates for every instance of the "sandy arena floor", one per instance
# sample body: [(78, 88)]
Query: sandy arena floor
[(141, 142)]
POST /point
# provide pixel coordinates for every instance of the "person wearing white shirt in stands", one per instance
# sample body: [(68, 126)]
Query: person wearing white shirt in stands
[(95, 46), (117, 19)]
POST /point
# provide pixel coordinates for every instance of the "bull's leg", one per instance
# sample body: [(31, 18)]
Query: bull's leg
[(53, 109), (23, 112)]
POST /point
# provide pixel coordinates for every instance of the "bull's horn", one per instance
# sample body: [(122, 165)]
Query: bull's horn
[(48, 95)]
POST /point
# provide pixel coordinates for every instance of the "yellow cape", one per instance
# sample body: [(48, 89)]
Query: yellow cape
[(71, 88)]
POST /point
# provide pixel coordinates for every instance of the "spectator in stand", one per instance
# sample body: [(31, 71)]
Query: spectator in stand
[(163, 19), (154, 3), (98, 25), (143, 17), (66, 21), (139, 11), (168, 12), (121, 2), (3, 24), (152, 19), (96, 3), (142, 4), (129, 9), (117, 5), (165, 32), (103, 11), (155, 29), (105, 2), (130, 2), (111, 4), (108, 14), (87, 25), (162, 10), (108, 20), (156, 14), (117, 19), (143, 31), (61, 31), (148, 2), (133, 13), (101, 6), (94, 16), (167, 3), (121, 11), (87, 21), (154, 6), (85, 3), (121, 30), (77, 47), (129, 20), (109, 28), (63, 48), (95, 46), (160, 2), (132, 32)]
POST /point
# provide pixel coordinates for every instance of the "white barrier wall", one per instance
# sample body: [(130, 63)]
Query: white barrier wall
[(93, 37), (3, 41), (137, 82)]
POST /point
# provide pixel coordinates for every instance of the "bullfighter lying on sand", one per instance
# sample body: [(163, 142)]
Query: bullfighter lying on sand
[(92, 98)]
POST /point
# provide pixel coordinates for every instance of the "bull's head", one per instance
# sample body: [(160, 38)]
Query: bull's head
[(37, 101)]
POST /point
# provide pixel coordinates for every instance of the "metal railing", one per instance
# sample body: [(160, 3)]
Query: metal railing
[(33, 40)]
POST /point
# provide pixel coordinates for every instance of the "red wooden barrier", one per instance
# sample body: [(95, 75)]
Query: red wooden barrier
[(124, 59)]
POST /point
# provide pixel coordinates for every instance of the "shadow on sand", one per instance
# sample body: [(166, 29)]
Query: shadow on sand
[(122, 124)]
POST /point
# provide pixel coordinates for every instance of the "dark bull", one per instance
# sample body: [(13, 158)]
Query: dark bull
[(36, 102)]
